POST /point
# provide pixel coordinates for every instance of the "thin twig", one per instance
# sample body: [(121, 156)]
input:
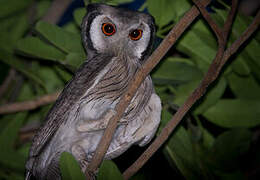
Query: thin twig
[(207, 17), (246, 34), (230, 18), (141, 74), (55, 11), (227, 26), (212, 71), (187, 105), (28, 105), (27, 136), (222, 36)]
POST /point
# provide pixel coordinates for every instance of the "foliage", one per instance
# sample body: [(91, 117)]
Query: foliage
[(70, 168), (210, 143)]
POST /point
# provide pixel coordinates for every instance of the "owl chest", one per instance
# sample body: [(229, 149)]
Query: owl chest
[(106, 91), (104, 94)]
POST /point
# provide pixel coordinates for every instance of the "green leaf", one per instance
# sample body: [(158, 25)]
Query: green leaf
[(34, 47), (179, 7), (244, 87), (26, 92), (72, 27), (178, 151), (8, 23), (9, 134), (78, 15), (228, 147), (42, 7), (9, 37), (208, 139), (6, 44), (212, 96), (199, 44), (3, 174), (7, 7), (165, 94), (257, 36), (108, 170), (64, 40), (19, 65), (234, 113), (64, 74), (240, 66), (254, 69), (174, 71), (52, 80), (20, 27), (236, 175), (13, 160), (24, 150), (14, 176), (159, 10), (166, 117), (253, 47), (75, 59), (8, 156), (165, 11), (70, 169), (183, 91), (138, 176)]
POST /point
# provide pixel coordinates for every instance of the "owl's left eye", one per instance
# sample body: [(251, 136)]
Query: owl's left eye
[(108, 29), (136, 34)]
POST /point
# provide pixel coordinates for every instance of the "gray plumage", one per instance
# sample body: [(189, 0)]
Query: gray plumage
[(78, 118)]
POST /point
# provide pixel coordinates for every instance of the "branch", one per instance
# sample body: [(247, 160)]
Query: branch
[(56, 10), (197, 93), (227, 26), (27, 135), (210, 21), (28, 105), (27, 132), (141, 74), (246, 34), (222, 35), (229, 20)]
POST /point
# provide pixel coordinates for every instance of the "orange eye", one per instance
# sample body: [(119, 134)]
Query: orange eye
[(136, 34), (108, 29)]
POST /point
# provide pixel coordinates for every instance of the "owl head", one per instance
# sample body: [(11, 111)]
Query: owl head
[(117, 31)]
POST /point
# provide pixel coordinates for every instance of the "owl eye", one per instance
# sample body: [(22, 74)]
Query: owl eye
[(108, 29), (136, 34)]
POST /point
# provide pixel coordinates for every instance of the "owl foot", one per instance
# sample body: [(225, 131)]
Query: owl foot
[(81, 156)]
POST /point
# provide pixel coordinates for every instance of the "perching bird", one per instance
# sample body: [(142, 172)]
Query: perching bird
[(117, 42)]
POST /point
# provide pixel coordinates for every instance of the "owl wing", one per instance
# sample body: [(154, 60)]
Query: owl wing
[(73, 91)]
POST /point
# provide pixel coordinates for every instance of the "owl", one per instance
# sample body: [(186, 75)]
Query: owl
[(117, 42)]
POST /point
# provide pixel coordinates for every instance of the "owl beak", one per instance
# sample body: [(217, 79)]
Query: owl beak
[(121, 48)]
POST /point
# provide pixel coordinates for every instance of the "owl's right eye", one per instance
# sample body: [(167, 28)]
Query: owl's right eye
[(108, 29)]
